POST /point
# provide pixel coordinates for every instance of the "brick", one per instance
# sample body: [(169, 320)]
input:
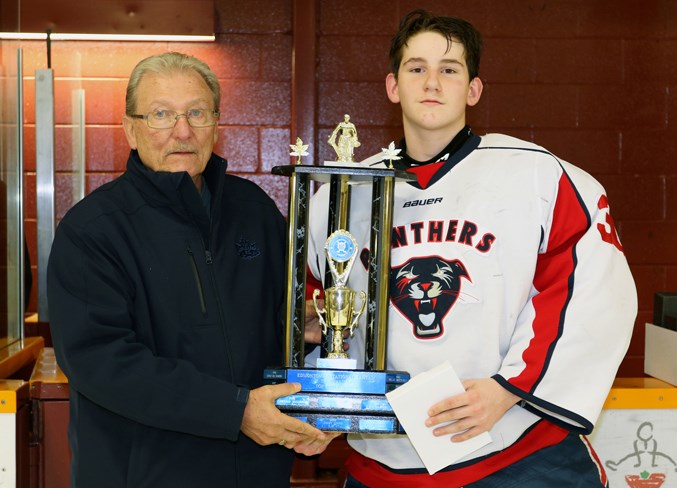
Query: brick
[(366, 103), (339, 18), (671, 278), (595, 151), (671, 197), (353, 58), (626, 19), (649, 151), (519, 18), (635, 197), (30, 196), (63, 150), (95, 180), (640, 104), (651, 57), (671, 115), (475, 12), (104, 100), (29, 147), (631, 367), (276, 187), (64, 197), (650, 242), (670, 19), (523, 106), (275, 149), (237, 16), (478, 116), (276, 57), (554, 62), (107, 148), (648, 280), (240, 146), (255, 103), (232, 57), (498, 61)]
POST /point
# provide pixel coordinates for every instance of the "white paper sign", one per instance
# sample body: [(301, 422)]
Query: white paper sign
[(411, 402)]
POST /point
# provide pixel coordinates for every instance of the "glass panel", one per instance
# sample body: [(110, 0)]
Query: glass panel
[(11, 195), (60, 149)]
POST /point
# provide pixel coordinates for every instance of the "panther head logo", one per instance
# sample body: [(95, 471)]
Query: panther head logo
[(424, 290)]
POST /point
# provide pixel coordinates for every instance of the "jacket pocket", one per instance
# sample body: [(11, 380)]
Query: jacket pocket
[(198, 282)]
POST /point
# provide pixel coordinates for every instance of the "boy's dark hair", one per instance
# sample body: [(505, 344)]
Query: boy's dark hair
[(452, 28)]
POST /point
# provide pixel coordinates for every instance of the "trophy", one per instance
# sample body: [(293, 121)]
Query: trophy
[(335, 396), (339, 314)]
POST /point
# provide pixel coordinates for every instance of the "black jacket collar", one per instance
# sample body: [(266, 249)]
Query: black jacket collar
[(177, 190)]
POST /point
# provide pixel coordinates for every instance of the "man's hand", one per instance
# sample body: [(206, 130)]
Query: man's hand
[(316, 446), (473, 412), (265, 424)]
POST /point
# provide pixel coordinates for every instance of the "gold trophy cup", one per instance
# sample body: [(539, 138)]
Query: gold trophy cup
[(339, 313)]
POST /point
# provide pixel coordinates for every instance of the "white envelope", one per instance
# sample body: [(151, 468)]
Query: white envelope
[(411, 402)]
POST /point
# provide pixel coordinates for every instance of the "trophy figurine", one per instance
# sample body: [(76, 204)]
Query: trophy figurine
[(344, 139), (339, 314)]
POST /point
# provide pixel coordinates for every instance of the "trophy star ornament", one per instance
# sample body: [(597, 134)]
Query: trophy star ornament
[(391, 154), (299, 149)]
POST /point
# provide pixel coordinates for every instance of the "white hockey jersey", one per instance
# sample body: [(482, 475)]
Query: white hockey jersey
[(509, 266)]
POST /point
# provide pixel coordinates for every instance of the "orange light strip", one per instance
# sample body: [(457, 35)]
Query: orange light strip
[(104, 37)]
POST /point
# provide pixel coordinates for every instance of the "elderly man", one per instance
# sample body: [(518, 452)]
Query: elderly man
[(165, 288)]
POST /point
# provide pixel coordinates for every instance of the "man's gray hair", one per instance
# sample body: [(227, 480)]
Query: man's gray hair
[(168, 63)]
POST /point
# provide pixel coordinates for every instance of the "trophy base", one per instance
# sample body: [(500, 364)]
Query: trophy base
[(337, 380), (339, 400), (365, 424)]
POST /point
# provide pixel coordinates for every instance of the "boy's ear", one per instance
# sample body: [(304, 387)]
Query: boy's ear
[(391, 88), (475, 91)]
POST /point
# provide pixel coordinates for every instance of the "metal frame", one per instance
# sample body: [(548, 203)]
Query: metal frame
[(381, 223)]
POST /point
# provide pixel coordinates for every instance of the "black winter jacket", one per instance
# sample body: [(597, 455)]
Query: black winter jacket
[(163, 319)]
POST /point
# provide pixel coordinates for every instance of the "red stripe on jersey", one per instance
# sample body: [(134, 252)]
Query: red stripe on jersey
[(375, 475), (554, 280), (312, 284), (426, 172)]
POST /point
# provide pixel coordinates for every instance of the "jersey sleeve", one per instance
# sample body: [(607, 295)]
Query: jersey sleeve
[(316, 239), (575, 329)]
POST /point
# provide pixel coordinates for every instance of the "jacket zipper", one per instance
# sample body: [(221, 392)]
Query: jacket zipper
[(198, 283), (219, 305)]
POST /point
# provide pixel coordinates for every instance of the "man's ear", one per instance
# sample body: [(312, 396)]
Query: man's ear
[(128, 126), (391, 88), (475, 91)]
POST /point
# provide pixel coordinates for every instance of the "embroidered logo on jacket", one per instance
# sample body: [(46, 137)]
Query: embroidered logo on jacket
[(424, 290), (247, 249)]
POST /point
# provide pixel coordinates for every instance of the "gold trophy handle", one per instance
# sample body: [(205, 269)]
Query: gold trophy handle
[(320, 312), (356, 317)]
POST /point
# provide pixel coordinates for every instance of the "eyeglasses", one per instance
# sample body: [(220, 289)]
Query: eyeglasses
[(166, 119)]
